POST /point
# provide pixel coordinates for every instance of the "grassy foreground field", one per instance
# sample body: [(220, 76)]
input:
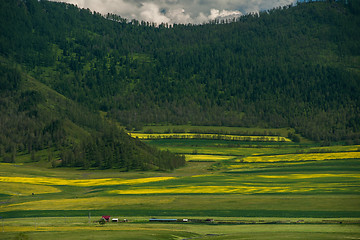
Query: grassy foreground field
[(261, 190), (56, 228)]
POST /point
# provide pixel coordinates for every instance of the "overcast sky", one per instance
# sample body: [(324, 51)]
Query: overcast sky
[(178, 11)]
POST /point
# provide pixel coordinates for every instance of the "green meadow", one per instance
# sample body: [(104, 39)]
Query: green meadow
[(252, 190)]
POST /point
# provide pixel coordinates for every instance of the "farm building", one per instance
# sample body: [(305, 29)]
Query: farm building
[(106, 218)]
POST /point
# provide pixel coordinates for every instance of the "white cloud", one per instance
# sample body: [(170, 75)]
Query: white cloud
[(179, 16), (150, 12), (178, 11), (224, 14)]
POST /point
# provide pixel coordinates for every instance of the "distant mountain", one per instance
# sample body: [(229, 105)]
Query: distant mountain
[(295, 66)]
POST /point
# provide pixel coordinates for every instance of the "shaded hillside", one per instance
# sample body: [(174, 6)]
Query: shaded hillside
[(288, 67), (34, 117)]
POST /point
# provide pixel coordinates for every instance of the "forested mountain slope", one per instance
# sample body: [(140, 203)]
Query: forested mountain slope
[(295, 66), (35, 118)]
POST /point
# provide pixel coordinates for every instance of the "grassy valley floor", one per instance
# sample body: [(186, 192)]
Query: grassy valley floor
[(251, 190)]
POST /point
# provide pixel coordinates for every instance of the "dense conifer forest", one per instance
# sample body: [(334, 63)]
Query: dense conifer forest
[(35, 118), (294, 66)]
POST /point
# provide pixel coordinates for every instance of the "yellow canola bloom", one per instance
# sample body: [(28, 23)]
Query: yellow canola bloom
[(306, 176), (208, 136), (302, 157), (244, 189), (261, 165), (204, 190), (205, 175), (204, 157), (25, 189), (91, 203), (82, 182)]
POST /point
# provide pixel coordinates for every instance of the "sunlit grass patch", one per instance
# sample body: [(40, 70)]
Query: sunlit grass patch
[(301, 157), (82, 227), (10, 164), (26, 189)]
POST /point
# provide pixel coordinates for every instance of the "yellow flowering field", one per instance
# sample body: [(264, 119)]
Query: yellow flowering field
[(301, 157), (317, 175), (89, 203), (208, 136), (205, 157), (25, 189), (81, 182), (245, 188), (346, 148), (250, 165), (204, 190), (204, 175)]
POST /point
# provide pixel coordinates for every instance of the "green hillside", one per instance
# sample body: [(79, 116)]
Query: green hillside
[(265, 109), (295, 66), (39, 122)]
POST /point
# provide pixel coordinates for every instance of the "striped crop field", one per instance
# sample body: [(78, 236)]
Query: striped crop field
[(205, 190), (147, 136), (225, 176), (253, 184), (243, 189), (309, 176), (301, 157), (80, 182)]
